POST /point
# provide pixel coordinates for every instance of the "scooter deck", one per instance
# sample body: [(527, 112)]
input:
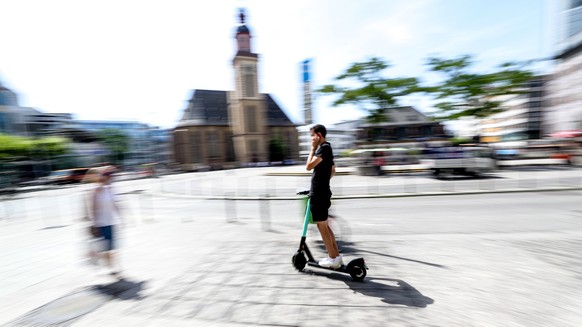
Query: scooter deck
[(343, 268)]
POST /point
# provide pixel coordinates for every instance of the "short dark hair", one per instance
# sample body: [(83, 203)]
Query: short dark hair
[(319, 129)]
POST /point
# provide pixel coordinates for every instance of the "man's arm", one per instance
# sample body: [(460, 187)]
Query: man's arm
[(94, 208), (332, 170), (116, 205), (312, 160)]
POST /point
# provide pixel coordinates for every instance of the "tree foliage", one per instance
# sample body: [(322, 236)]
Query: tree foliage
[(363, 84), (276, 150), (459, 92), (116, 142), (53, 145), (15, 148), (464, 93)]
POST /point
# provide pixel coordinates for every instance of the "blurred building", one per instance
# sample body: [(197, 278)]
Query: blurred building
[(8, 110), (13, 117), (342, 137), (146, 144), (161, 145), (521, 118), (405, 126), (139, 142), (466, 127), (43, 124), (307, 92), (565, 98), (221, 128), (30, 122)]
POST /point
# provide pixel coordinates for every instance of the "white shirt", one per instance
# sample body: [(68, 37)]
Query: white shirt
[(105, 211)]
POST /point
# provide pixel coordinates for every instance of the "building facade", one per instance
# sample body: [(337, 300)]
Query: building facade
[(404, 125), (13, 117), (521, 118), (564, 96), (138, 135), (226, 128)]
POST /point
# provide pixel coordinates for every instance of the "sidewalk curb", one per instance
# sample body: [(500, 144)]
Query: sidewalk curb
[(366, 196), (397, 169)]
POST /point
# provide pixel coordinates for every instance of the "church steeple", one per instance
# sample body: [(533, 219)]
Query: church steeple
[(243, 35), (247, 106)]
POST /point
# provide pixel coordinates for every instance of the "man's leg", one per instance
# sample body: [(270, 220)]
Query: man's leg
[(328, 239), (109, 253), (109, 259), (333, 242)]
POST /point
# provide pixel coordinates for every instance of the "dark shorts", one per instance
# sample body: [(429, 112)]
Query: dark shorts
[(319, 206), (108, 236)]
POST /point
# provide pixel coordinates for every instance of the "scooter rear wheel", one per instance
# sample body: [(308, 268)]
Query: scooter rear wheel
[(299, 260), (357, 272)]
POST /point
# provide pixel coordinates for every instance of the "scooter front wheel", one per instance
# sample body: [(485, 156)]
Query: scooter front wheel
[(299, 260)]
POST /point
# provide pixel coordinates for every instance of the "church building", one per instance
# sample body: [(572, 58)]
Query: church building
[(228, 128)]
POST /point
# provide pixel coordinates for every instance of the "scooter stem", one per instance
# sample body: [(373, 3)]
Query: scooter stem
[(306, 222)]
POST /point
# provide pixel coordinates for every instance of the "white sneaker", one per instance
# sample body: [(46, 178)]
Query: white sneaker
[(325, 262), (331, 263)]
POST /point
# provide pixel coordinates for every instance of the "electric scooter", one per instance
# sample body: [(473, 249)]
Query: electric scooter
[(356, 267)]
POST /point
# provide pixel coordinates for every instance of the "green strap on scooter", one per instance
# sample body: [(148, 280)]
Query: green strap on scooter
[(308, 218)]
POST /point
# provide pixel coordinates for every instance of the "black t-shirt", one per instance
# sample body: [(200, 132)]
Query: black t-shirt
[(322, 172)]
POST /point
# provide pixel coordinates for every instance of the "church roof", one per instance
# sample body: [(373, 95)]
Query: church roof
[(210, 108)]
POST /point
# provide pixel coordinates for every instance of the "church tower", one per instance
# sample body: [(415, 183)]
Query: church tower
[(247, 107)]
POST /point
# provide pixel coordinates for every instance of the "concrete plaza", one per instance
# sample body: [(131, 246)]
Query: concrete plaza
[(508, 259)]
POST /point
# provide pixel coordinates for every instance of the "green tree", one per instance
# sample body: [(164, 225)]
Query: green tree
[(116, 142), (15, 147), (363, 84), (55, 146), (19, 147), (276, 150), (464, 93)]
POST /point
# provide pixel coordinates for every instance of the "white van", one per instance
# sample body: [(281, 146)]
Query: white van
[(463, 160)]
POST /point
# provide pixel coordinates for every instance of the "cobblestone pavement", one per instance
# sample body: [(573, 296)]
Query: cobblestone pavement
[(199, 269)]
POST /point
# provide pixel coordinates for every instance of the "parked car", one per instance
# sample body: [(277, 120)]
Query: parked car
[(92, 175), (66, 176)]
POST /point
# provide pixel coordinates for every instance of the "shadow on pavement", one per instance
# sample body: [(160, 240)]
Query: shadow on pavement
[(396, 292), (406, 259), (400, 294), (122, 289), (54, 227), (467, 178), (66, 310), (348, 247), (539, 168), (274, 231)]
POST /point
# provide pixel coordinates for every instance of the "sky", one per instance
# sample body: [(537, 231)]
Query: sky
[(140, 60)]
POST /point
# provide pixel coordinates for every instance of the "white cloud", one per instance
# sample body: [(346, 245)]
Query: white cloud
[(404, 24)]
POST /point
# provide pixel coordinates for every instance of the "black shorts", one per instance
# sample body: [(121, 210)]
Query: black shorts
[(107, 234), (319, 206)]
